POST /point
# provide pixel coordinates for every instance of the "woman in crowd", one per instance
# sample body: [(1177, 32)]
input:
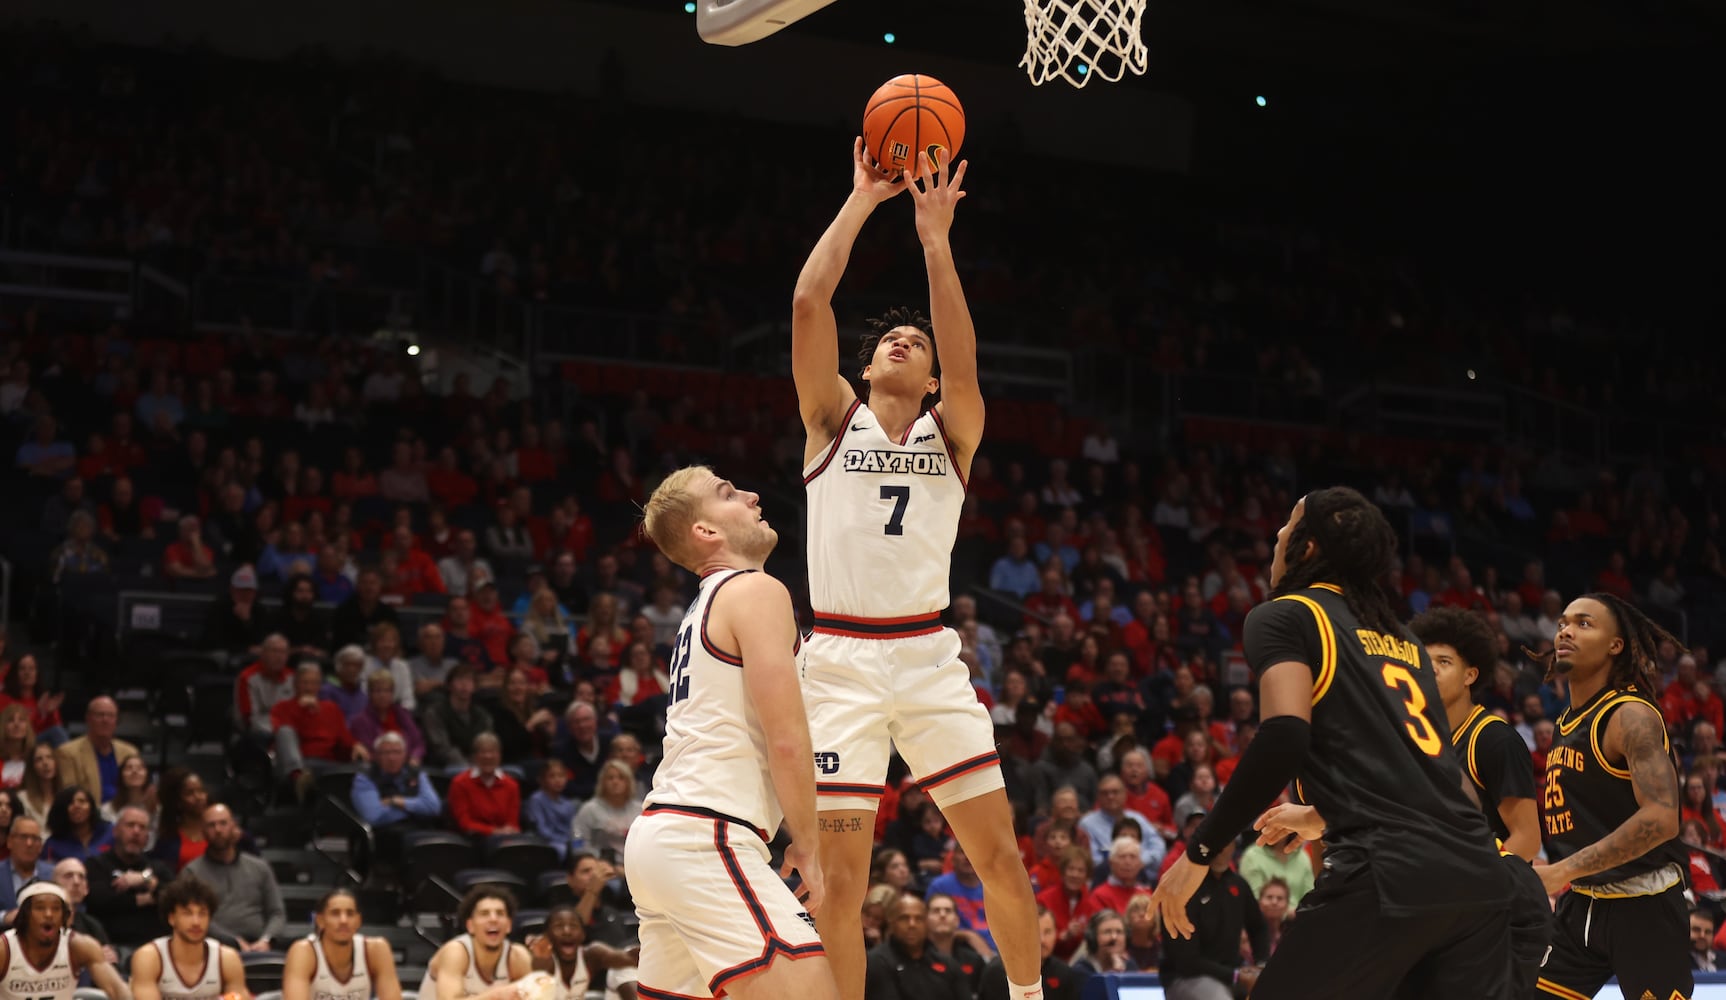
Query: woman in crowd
[(180, 830), (137, 789), (8, 808), (385, 656), (875, 912), (548, 625), (24, 686), (891, 869), (641, 678), (17, 741), (1201, 794), (1105, 947), (604, 821), (1014, 689), (1274, 904), (385, 714), (1698, 805), (75, 828), (524, 729), (41, 784), (1144, 933), (603, 619), (524, 655)]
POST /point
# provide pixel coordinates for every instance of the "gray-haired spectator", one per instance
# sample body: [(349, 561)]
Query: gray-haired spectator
[(78, 555), (463, 565), (347, 688), (430, 667), (263, 684), (311, 734), (393, 795), (189, 557)]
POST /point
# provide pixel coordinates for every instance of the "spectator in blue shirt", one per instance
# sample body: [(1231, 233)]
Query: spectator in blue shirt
[(392, 796), (160, 399), (44, 457), (966, 890), (1014, 572), (549, 814), (1055, 543)]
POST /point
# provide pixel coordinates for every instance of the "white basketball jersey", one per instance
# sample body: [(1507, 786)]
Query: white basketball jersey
[(26, 982), (574, 985), (883, 515), (715, 748), (472, 984), (358, 985), (206, 986)]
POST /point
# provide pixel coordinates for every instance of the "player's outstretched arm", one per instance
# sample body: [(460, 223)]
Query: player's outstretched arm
[(823, 395), (297, 971), (86, 953), (1637, 733), (961, 406), (756, 612)]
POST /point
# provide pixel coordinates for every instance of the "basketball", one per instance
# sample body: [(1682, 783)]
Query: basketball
[(908, 114)]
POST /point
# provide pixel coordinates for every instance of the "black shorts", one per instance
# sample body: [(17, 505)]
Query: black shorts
[(1341, 945), (1531, 926), (1643, 940)]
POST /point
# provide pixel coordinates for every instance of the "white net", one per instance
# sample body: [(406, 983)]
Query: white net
[(1082, 40)]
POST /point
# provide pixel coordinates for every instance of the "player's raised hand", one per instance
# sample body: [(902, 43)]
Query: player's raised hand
[(936, 193), (869, 180), (807, 864)]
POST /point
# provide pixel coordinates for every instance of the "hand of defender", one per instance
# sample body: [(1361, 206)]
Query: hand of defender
[(1287, 820), (936, 194), (807, 865), (1170, 898), (869, 180)]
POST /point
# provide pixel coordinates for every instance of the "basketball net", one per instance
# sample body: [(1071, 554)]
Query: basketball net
[(1080, 40)]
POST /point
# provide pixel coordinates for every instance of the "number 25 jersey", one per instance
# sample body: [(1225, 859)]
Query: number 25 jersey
[(1380, 770), (883, 515)]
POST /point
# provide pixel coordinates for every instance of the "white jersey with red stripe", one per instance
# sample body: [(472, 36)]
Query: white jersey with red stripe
[(715, 747), (883, 516)]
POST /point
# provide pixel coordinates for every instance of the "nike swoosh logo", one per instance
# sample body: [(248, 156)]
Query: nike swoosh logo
[(857, 427)]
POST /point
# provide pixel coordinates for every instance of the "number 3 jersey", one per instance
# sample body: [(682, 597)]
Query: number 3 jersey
[(883, 515), (715, 748), (1380, 770)]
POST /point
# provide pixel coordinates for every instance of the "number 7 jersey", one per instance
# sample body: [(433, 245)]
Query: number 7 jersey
[(1381, 769), (883, 515)]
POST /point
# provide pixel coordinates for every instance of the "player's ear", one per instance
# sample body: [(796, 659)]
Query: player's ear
[(1469, 676), (865, 375), (932, 386), (1309, 551), (1616, 646)]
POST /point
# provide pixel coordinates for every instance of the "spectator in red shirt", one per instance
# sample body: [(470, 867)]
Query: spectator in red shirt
[(1145, 796), (1052, 599), (1462, 593), (641, 679), (355, 481), (415, 571), (1126, 864), (1080, 712), (1695, 839), (1065, 900), (311, 734), (487, 623), (1698, 806), (1614, 580), (1690, 697), (571, 530), (484, 800), (189, 557), (1045, 871)]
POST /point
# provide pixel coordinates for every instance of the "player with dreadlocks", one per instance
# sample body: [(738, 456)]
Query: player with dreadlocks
[(1412, 891), (1609, 812)]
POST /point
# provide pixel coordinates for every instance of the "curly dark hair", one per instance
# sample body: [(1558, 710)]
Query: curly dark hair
[(186, 890), (1638, 663), (60, 813), (1354, 549), (482, 892), (886, 323), (1465, 632)]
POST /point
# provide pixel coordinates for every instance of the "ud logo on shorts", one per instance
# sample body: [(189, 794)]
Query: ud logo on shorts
[(827, 762)]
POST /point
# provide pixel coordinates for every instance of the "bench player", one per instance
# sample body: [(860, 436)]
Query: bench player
[(41, 958), (186, 963), (886, 481), (715, 918), (337, 962)]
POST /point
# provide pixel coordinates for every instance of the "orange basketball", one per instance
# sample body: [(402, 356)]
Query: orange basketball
[(912, 114)]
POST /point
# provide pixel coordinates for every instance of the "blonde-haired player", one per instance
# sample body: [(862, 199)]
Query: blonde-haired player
[(886, 480), (715, 918)]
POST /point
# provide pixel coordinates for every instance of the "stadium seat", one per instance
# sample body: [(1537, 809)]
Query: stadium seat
[(436, 852), (467, 878), (546, 882), (524, 855), (263, 970)]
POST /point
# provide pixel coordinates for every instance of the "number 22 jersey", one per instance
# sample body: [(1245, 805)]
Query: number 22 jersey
[(883, 516), (715, 746), (1381, 769)]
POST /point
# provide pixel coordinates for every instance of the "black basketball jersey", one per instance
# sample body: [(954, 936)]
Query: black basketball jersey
[(1381, 770), (1498, 763), (1587, 796)]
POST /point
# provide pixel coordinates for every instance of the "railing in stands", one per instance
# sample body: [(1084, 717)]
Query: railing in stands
[(108, 287)]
